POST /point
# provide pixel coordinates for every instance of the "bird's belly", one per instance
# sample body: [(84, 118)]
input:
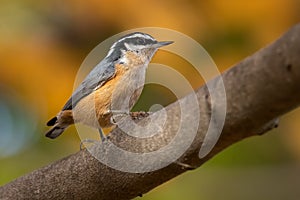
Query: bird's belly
[(118, 94), (128, 90)]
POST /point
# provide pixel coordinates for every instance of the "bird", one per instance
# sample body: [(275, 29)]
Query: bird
[(113, 86)]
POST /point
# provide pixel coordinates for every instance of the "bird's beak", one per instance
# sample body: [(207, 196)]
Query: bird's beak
[(161, 44)]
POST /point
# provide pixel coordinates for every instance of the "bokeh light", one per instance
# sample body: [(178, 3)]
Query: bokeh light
[(17, 125)]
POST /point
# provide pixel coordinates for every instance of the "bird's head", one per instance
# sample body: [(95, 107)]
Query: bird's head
[(135, 48)]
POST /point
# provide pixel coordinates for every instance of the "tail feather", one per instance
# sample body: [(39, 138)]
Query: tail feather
[(52, 121), (55, 132), (59, 123)]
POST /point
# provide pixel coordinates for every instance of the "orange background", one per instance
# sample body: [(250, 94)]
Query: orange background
[(43, 43)]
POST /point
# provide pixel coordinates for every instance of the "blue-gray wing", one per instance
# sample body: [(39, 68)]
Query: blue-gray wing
[(103, 72)]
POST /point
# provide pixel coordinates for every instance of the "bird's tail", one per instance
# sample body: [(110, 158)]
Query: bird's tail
[(59, 123), (55, 131)]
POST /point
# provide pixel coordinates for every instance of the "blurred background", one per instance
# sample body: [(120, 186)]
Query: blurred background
[(43, 43)]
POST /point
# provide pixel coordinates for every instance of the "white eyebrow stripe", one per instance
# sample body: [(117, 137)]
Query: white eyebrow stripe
[(111, 50), (133, 36), (135, 47)]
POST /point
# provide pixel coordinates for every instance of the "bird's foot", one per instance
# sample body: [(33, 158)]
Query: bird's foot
[(120, 113), (116, 114)]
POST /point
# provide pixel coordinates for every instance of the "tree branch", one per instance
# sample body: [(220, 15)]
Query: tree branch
[(261, 88)]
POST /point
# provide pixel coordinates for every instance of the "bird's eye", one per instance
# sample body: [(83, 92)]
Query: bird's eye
[(117, 58), (137, 51)]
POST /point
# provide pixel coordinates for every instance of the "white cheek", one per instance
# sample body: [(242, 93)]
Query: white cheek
[(123, 60)]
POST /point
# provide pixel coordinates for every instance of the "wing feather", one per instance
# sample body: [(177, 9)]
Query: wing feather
[(103, 72)]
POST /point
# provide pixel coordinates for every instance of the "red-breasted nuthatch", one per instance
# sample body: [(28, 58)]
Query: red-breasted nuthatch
[(114, 85)]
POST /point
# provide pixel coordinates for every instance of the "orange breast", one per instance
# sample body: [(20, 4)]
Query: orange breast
[(103, 96), (93, 109)]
